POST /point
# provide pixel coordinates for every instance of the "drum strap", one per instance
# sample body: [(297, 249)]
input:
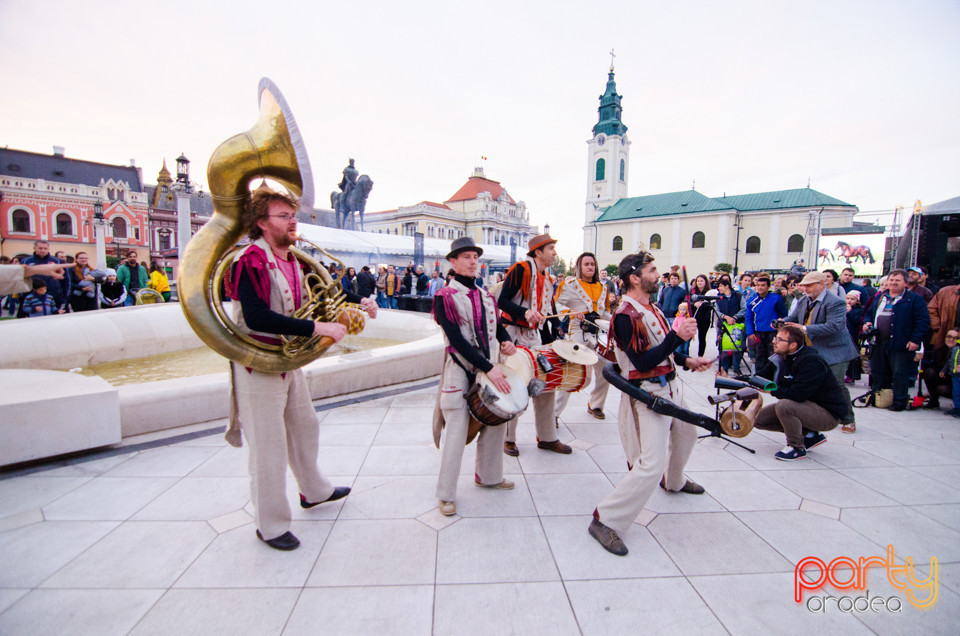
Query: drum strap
[(471, 377)]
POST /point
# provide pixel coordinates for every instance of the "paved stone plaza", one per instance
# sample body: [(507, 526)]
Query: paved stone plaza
[(156, 537)]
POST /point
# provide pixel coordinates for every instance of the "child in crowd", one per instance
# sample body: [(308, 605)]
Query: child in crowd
[(952, 368), (112, 293), (684, 348), (37, 303)]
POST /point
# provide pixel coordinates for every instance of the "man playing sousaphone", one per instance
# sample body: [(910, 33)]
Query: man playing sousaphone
[(583, 296), (525, 299), (475, 339), (267, 287), (657, 446)]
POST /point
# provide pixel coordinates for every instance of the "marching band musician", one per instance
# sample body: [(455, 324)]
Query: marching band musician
[(475, 339), (657, 446), (584, 296), (526, 298), (267, 286)]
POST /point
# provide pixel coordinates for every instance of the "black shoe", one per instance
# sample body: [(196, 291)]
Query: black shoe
[(338, 493), (814, 440), (285, 541), (898, 407), (932, 404), (791, 453), (690, 487), (608, 538), (556, 446)]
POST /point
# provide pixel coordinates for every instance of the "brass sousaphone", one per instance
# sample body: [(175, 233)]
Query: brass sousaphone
[(272, 149)]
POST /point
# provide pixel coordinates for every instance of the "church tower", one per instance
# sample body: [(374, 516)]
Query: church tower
[(608, 160)]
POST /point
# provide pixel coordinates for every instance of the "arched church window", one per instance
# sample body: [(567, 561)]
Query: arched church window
[(601, 169), (654, 241), (623, 169), (795, 243), (699, 240), (119, 227), (617, 243), (64, 224), (21, 221), (753, 245)]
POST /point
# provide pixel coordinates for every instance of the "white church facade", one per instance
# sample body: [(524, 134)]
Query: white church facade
[(764, 230)]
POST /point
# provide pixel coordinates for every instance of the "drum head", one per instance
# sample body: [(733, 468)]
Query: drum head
[(735, 423), (575, 352), (506, 405), (603, 324)]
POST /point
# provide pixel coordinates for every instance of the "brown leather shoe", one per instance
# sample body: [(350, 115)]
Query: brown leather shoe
[(690, 487), (556, 446), (510, 448), (608, 538), (506, 484), (849, 427), (597, 413)]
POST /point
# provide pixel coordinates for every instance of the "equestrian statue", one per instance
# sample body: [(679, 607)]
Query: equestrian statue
[(352, 197)]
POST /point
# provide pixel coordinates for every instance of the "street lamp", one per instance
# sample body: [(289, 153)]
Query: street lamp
[(736, 250), (98, 210), (546, 228)]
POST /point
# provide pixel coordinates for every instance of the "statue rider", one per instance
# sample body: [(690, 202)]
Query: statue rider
[(347, 184)]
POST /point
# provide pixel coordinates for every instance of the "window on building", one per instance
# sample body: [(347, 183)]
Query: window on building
[(64, 224), (699, 240), (119, 227), (601, 169), (111, 193), (795, 243), (623, 169), (136, 233), (753, 245), (617, 243), (654, 241), (21, 221), (164, 241)]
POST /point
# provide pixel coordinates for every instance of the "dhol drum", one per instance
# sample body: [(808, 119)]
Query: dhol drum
[(491, 406), (564, 376)]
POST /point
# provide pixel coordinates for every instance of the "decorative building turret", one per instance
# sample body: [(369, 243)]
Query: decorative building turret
[(608, 159)]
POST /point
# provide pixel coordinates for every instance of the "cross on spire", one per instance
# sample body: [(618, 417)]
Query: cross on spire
[(612, 55)]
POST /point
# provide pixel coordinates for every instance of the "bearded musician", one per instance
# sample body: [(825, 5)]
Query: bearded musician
[(526, 298), (583, 296), (657, 446), (475, 339)]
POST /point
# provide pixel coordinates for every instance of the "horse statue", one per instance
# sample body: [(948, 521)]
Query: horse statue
[(825, 255), (354, 201), (848, 252)]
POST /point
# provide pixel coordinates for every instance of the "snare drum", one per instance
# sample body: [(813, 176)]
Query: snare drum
[(603, 349), (490, 406), (565, 376)]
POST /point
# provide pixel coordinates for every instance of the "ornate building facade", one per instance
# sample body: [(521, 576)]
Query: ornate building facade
[(53, 198), (163, 198), (481, 209)]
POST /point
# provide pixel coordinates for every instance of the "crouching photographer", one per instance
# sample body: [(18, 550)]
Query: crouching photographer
[(810, 399)]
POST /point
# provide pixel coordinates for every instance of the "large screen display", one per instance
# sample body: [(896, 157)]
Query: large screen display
[(862, 252)]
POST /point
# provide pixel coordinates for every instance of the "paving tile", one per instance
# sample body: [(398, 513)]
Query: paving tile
[(237, 559), (747, 490), (426, 397), (63, 612), (947, 514), (378, 552), (903, 485), (715, 543), (764, 458), (763, 603), (421, 415), (230, 521), (376, 611), (404, 432), (31, 492), (473, 501), (355, 414), (396, 497), (168, 461), (138, 554), (947, 475), (568, 494), (401, 460), (708, 458), (605, 432), (21, 519), (904, 453), (940, 618), (197, 499), (579, 556), (662, 501), (521, 608), (659, 605), (910, 532), (829, 487), (539, 461), (108, 498), (948, 575), (203, 612), (341, 460), (833, 455), (609, 457), (86, 468), (437, 520), (228, 462), (10, 596), (494, 551), (33, 553), (347, 434), (822, 509)]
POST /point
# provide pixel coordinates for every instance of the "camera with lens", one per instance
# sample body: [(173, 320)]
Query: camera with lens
[(589, 322), (778, 323)]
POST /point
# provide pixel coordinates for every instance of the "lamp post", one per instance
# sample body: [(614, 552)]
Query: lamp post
[(736, 250), (98, 229)]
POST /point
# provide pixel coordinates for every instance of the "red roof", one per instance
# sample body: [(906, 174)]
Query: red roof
[(434, 205), (474, 186)]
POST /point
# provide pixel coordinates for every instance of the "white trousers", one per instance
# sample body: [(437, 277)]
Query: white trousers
[(281, 426), (598, 394), (456, 415), (656, 446), (545, 404)]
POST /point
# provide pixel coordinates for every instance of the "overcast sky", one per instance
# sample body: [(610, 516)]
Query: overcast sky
[(862, 98)]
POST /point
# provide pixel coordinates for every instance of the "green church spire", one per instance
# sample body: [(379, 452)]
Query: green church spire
[(610, 110)]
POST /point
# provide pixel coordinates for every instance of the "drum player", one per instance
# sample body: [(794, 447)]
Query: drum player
[(583, 296), (657, 446), (526, 298), (475, 340)]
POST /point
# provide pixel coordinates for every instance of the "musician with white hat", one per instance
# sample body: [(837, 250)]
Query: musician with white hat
[(474, 339)]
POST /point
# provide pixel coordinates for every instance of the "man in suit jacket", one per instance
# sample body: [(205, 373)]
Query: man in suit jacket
[(823, 318)]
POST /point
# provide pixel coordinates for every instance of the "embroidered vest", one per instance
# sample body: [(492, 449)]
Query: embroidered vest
[(649, 330), (527, 296), (460, 310), (573, 297), (281, 296)]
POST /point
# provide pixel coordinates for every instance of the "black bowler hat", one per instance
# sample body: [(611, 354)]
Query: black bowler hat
[(463, 244)]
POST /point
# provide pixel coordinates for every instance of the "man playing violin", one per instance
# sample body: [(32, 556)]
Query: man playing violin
[(475, 340), (657, 446)]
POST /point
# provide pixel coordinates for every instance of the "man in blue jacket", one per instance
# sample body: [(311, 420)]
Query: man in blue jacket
[(903, 324), (762, 309), (672, 295), (59, 289)]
